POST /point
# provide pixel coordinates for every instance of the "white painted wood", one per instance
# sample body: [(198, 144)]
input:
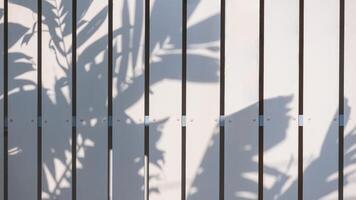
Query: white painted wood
[(22, 105), (128, 102), (241, 99), (2, 100), (56, 100), (350, 101), (92, 134), (202, 159), (321, 99), (281, 99), (165, 100)]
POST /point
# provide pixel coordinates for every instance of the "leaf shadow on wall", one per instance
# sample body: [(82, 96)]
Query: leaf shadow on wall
[(128, 160), (57, 161), (241, 151), (166, 38)]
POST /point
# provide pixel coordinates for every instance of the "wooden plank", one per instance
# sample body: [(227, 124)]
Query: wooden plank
[(56, 100), (2, 99), (202, 136), (92, 68), (22, 174), (165, 100), (241, 99), (281, 99), (321, 99), (128, 102), (350, 101)]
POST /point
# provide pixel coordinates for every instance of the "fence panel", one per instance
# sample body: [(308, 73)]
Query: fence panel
[(321, 99), (128, 102), (92, 69), (281, 99), (22, 105), (2, 99), (350, 100), (241, 99), (202, 141), (119, 170), (56, 100), (165, 100)]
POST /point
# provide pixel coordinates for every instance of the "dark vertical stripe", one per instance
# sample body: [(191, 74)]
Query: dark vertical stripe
[(5, 83), (74, 99), (147, 88), (300, 163), (260, 101), (301, 98), (39, 99), (147, 154), (147, 56), (110, 96), (184, 95), (183, 164), (301, 57), (222, 58), (341, 57), (341, 163), (222, 164), (222, 101), (341, 98)]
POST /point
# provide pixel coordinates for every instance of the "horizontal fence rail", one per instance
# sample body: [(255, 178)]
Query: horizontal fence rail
[(177, 99)]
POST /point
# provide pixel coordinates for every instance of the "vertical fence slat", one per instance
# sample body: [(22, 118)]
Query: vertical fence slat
[(341, 112), (56, 100), (2, 99), (261, 97), (241, 99), (165, 100), (92, 69), (110, 94), (300, 99), (22, 100), (321, 99), (350, 100), (202, 136), (241, 123), (128, 102), (147, 67), (281, 99), (184, 99)]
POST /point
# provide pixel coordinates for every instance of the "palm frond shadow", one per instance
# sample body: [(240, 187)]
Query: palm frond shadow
[(242, 150), (57, 20), (127, 59)]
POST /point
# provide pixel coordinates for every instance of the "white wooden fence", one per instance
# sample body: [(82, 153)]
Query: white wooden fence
[(202, 100)]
